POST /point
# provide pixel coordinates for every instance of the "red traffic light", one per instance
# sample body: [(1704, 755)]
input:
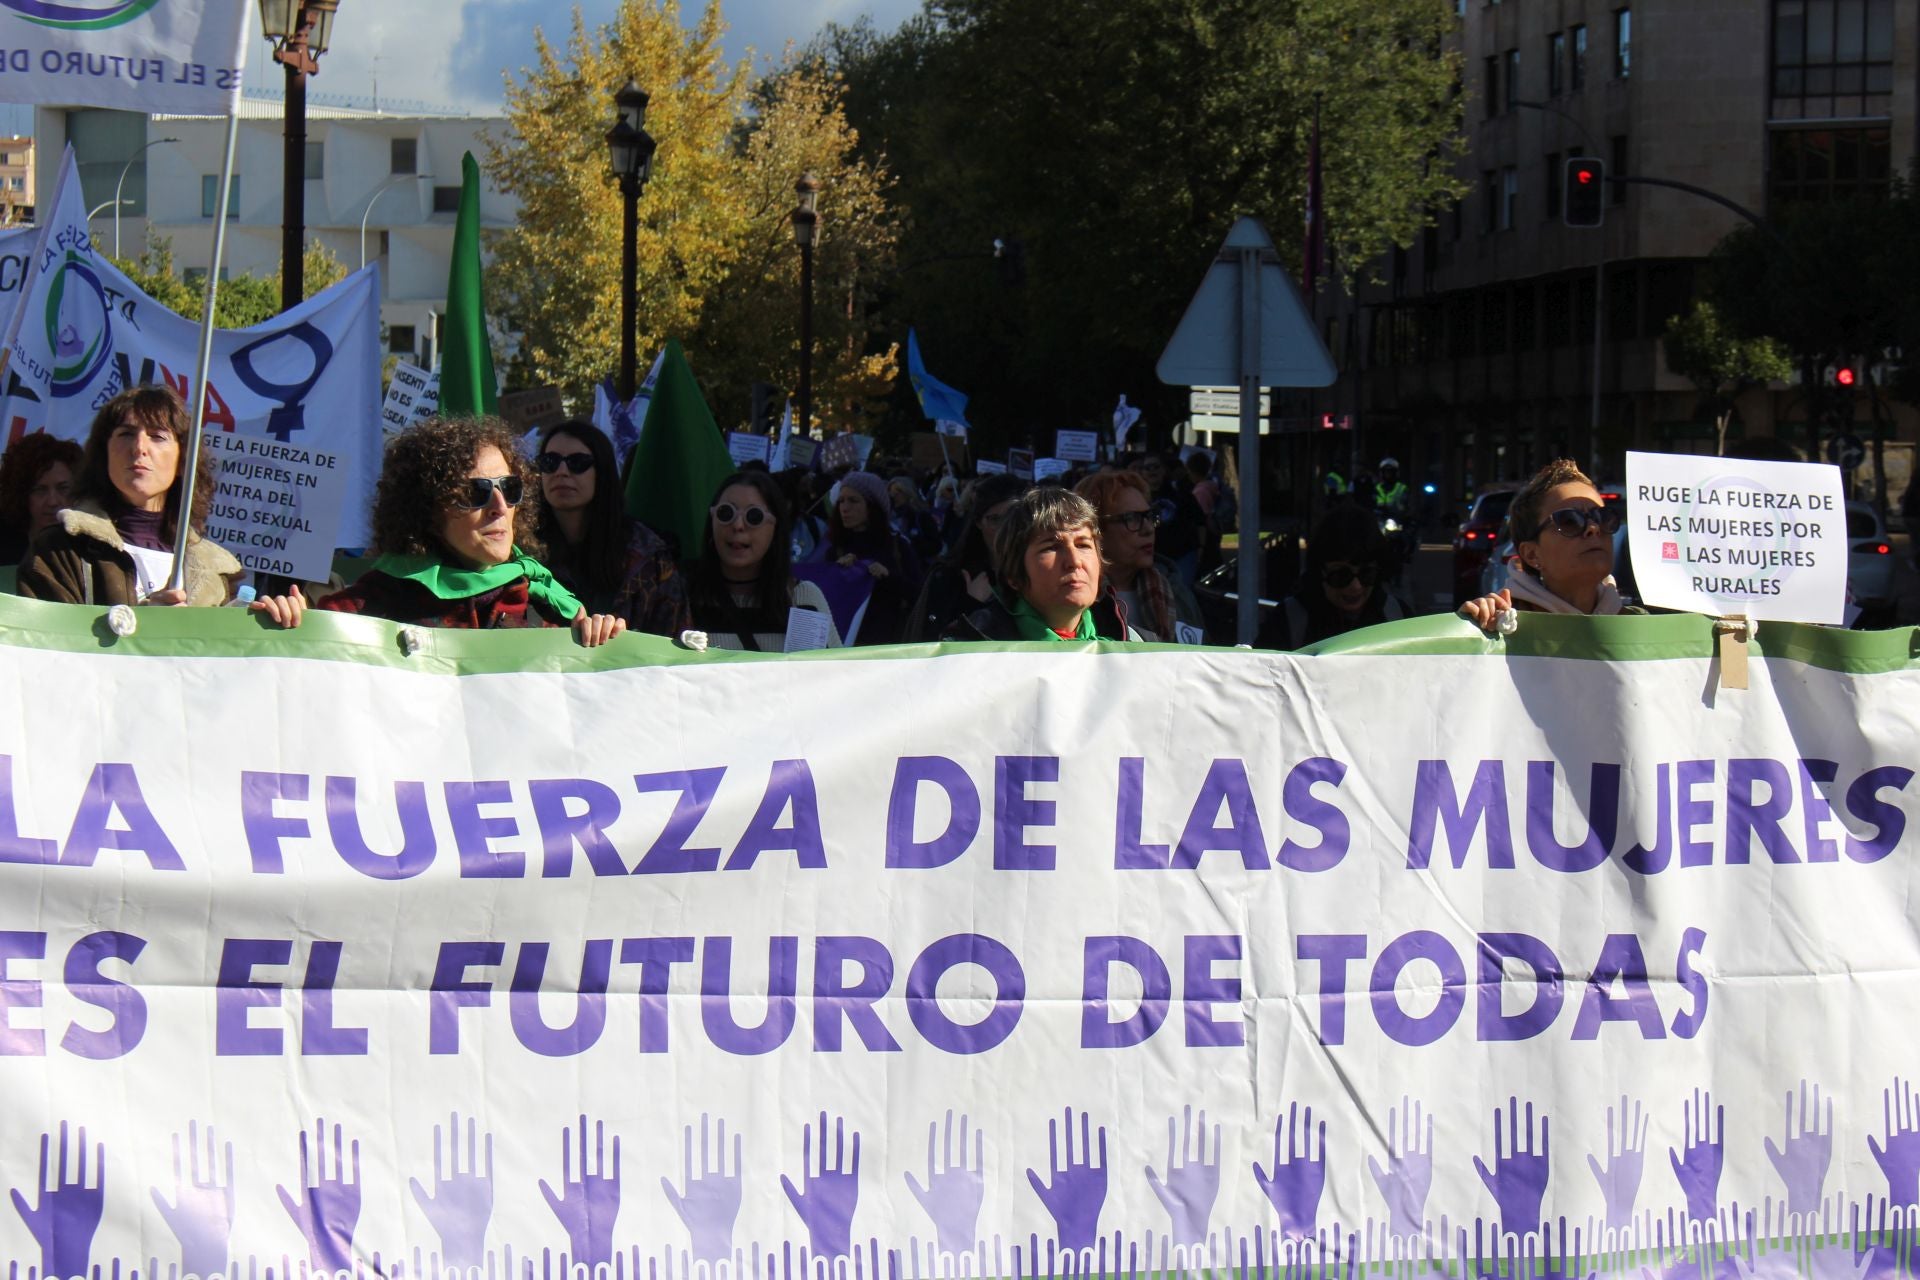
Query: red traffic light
[(1583, 176), (1844, 376)]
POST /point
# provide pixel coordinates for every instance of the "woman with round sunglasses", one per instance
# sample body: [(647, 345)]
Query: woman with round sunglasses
[(1563, 551), (742, 586), (456, 538), (1342, 584), (1151, 593), (615, 564)]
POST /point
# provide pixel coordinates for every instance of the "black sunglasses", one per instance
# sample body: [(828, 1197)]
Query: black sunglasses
[(576, 463), (1573, 522), (727, 513), (1342, 576), (1135, 521), (480, 491)]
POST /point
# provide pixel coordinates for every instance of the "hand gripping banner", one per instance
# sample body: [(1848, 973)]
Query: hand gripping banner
[(487, 954)]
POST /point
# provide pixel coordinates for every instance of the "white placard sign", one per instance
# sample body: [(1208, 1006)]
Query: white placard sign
[(745, 446), (1726, 536), (1077, 446), (1048, 468), (412, 396)]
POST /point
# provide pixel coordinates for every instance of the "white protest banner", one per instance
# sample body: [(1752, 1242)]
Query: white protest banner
[(1730, 537), (1329, 980), (412, 396), (988, 467), (745, 446), (1077, 446), (145, 56), (293, 406), (1048, 468)]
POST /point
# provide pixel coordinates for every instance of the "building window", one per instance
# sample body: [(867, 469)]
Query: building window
[(1577, 66), (1832, 58), (446, 199), (1489, 200), (1617, 167), (403, 156), (1622, 43), (1556, 174), (1509, 197), (210, 195), (16, 183), (1828, 164), (316, 160), (400, 339), (1556, 64), (1513, 78), (1523, 336), (1490, 87)]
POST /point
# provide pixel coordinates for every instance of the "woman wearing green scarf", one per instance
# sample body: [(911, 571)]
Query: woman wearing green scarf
[(1047, 561), (457, 542)]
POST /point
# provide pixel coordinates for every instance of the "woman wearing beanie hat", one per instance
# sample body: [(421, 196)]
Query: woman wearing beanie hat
[(859, 533)]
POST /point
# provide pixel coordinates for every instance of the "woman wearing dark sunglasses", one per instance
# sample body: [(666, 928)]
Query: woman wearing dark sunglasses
[(1563, 550), (456, 538), (612, 562), (742, 586), (1342, 584)]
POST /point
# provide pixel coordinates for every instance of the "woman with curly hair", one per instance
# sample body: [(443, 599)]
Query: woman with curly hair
[(36, 482), (456, 541), (114, 545)]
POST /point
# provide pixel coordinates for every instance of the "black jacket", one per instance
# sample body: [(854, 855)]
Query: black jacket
[(994, 621)]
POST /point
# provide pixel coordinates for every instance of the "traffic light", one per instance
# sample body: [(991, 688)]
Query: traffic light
[(1584, 200)]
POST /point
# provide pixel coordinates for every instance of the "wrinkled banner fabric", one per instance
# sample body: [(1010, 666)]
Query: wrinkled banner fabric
[(1543, 958)]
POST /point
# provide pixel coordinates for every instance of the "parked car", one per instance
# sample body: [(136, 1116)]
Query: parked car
[(1870, 577), (1474, 540)]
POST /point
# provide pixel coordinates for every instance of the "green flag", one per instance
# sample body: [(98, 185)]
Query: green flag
[(680, 459), (467, 386)]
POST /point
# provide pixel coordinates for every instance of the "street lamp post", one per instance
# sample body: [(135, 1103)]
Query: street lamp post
[(806, 229), (117, 201), (300, 30), (631, 148), (385, 187)]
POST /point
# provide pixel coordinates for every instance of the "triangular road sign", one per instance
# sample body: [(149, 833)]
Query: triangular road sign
[(1205, 349)]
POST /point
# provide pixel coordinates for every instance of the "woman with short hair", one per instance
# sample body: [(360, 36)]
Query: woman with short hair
[(457, 539), (1562, 550), (1047, 561)]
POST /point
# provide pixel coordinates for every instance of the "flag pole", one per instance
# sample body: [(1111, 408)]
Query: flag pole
[(190, 464)]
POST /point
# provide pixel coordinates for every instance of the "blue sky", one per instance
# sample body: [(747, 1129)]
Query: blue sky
[(410, 45)]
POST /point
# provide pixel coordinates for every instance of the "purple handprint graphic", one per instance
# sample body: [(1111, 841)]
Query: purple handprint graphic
[(201, 1215), (592, 1201), (1408, 1177), (1899, 1159), (1518, 1179), (68, 1212), (1192, 1182), (709, 1201), (1626, 1161), (1803, 1163), (461, 1203), (1295, 1184), (1076, 1190), (332, 1207), (827, 1204), (1697, 1163), (953, 1192)]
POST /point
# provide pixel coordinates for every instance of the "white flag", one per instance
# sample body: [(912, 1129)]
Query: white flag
[(778, 462), (951, 427), (149, 56), (1124, 416)]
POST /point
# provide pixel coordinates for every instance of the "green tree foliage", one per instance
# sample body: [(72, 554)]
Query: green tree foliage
[(241, 301), (1116, 143), (1702, 349)]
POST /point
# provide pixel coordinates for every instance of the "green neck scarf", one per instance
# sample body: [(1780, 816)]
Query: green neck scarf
[(451, 582), (1034, 627)]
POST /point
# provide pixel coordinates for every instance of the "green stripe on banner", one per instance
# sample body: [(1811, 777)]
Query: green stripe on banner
[(332, 637)]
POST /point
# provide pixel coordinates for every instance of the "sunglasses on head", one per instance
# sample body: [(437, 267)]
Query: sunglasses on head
[(480, 490), (576, 463), (1136, 521), (1573, 522), (727, 513), (1340, 577)]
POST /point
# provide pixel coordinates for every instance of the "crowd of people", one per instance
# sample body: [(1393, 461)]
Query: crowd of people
[(473, 528)]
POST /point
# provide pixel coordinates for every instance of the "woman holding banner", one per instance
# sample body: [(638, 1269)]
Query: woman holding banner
[(1150, 590), (115, 544), (611, 561), (1563, 551), (861, 533), (743, 588), (456, 539), (1047, 559)]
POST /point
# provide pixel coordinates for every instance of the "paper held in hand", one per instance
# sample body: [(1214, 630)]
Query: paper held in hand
[(1733, 538), (807, 629)]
